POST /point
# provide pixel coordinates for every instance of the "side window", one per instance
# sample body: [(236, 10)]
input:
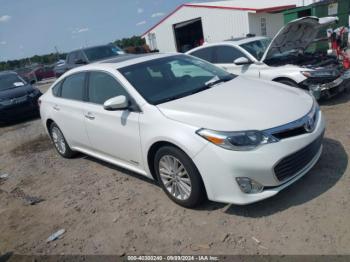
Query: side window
[(205, 54), (71, 57), (103, 87), (56, 89), (73, 87), (227, 54), (79, 56)]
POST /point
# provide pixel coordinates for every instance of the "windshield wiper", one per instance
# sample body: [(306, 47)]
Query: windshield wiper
[(209, 84), (217, 80)]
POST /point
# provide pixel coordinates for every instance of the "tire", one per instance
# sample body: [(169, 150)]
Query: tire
[(60, 142), (188, 189), (288, 82)]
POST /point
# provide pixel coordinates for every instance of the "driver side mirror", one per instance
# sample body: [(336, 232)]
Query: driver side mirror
[(242, 61), (116, 103)]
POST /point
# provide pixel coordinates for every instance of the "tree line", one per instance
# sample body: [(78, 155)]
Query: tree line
[(49, 59)]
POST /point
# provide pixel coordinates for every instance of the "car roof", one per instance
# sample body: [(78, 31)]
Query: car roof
[(233, 41), (121, 61), (244, 40), (90, 47), (7, 72)]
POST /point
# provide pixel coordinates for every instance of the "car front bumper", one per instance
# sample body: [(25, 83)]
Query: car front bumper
[(220, 168), (19, 110), (330, 89)]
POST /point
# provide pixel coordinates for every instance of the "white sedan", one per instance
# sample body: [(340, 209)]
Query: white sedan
[(285, 59), (197, 130)]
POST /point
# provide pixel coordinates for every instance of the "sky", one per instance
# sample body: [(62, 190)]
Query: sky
[(30, 27)]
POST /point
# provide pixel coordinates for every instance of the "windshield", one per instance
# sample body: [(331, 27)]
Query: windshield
[(9, 81), (165, 79), (257, 48), (102, 52)]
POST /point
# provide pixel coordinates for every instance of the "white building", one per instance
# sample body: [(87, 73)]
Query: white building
[(192, 24)]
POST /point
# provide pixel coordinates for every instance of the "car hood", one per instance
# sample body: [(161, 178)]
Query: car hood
[(240, 104), (16, 92), (297, 35)]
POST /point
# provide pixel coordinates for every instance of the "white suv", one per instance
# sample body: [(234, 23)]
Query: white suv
[(284, 59), (198, 130)]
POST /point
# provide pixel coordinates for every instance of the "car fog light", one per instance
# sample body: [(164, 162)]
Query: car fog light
[(249, 186)]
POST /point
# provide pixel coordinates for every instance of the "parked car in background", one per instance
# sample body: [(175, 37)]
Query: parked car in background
[(60, 68), (27, 74), (44, 72), (196, 129), (18, 99), (85, 56), (284, 59), (137, 49), (36, 73)]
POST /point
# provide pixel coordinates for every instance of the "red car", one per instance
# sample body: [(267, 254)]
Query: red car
[(44, 72), (32, 75)]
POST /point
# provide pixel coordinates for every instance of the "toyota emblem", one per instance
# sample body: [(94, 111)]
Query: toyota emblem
[(309, 125)]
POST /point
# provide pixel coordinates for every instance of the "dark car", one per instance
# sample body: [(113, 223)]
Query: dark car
[(27, 74), (87, 55), (18, 99)]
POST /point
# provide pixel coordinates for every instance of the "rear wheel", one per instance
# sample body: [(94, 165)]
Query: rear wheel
[(179, 177), (60, 142)]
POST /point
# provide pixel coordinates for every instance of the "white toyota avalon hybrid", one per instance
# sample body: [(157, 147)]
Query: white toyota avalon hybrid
[(196, 129)]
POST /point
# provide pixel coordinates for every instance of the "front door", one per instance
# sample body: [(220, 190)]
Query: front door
[(112, 133), (225, 57)]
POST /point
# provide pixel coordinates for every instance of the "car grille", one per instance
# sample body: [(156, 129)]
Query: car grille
[(293, 164), (293, 129)]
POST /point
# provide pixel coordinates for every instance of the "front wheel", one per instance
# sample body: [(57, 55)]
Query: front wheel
[(179, 177), (60, 142)]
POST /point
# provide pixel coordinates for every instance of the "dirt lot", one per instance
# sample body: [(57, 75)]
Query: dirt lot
[(106, 210)]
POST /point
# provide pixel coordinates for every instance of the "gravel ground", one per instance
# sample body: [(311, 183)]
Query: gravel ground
[(107, 210)]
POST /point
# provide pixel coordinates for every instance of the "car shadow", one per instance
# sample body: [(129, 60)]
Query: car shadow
[(19, 121), (326, 173), (341, 98)]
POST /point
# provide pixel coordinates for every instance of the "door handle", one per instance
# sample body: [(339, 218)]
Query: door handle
[(56, 107), (89, 116)]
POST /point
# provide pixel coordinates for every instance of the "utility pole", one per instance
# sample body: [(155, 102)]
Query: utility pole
[(57, 53)]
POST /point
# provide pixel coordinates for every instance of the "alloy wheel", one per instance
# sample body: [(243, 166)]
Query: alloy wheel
[(58, 140), (174, 177)]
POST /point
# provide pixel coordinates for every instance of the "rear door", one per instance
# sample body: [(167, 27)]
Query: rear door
[(206, 53), (114, 134), (68, 110)]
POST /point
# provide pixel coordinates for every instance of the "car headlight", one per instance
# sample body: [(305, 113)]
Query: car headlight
[(320, 73), (5, 102), (237, 141)]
